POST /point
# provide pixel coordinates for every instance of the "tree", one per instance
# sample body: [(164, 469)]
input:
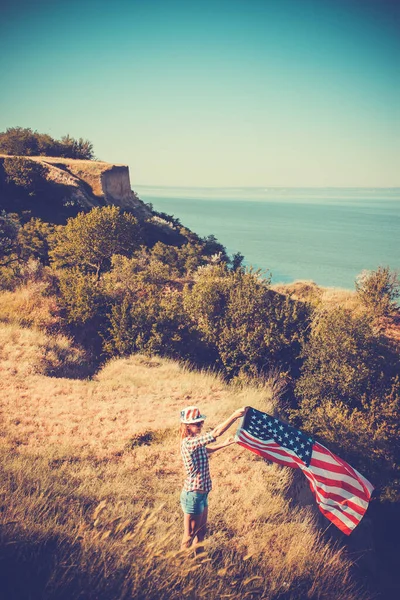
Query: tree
[(237, 261), (19, 141), (34, 240), (71, 148), (89, 240), (9, 227), (22, 141), (379, 290)]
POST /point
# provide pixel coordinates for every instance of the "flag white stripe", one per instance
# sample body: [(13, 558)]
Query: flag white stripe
[(367, 483), (325, 458), (332, 488), (245, 435), (287, 459), (331, 475)]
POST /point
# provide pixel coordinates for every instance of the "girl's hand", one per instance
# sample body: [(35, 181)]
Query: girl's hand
[(230, 440), (240, 412)]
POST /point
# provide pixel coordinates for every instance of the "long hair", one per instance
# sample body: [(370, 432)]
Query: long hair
[(184, 431)]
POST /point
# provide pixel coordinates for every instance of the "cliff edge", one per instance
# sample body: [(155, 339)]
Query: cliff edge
[(63, 187)]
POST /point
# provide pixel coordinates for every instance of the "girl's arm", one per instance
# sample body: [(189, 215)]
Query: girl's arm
[(220, 429), (225, 444)]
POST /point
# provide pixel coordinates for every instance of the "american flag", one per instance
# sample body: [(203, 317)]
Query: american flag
[(341, 492)]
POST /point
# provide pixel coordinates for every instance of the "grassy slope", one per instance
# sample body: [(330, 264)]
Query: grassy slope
[(91, 482)]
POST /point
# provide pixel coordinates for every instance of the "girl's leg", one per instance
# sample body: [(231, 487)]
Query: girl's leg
[(202, 529), (191, 525), (201, 532)]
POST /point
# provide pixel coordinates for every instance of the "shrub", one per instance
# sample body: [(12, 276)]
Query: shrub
[(9, 227), (22, 141), (367, 437), (81, 296), (71, 148), (153, 321), (24, 175), (342, 360), (379, 290), (253, 329), (34, 240), (89, 240), (128, 275), (187, 258), (19, 141)]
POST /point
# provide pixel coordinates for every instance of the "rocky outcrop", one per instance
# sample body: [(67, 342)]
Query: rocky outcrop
[(102, 181)]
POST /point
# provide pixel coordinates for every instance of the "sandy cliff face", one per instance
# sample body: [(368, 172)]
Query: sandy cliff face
[(116, 186), (102, 181)]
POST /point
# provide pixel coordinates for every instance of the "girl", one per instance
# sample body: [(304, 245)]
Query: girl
[(194, 497)]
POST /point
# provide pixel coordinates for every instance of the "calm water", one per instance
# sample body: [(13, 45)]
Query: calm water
[(325, 235)]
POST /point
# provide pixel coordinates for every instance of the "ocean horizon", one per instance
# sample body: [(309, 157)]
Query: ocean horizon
[(326, 235)]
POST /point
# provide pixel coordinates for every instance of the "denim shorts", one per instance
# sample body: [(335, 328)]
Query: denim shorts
[(193, 503)]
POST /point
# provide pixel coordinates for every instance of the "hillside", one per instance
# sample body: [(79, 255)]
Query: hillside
[(54, 188), (91, 482)]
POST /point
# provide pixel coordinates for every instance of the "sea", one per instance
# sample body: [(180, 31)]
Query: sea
[(325, 235)]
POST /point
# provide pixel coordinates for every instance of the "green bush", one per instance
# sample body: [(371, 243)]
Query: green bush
[(379, 290), (81, 296), (342, 361), (9, 227), (153, 321), (127, 275), (21, 141), (252, 328), (25, 176), (89, 240), (367, 437), (34, 240)]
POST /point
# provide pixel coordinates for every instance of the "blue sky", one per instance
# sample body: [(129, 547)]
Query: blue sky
[(221, 93)]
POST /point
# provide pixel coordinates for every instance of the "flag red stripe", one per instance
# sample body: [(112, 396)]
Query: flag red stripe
[(263, 454), (340, 500), (364, 482), (263, 449), (338, 484), (270, 445), (336, 521), (342, 509)]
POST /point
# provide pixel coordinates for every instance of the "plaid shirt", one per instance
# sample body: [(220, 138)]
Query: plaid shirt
[(195, 460)]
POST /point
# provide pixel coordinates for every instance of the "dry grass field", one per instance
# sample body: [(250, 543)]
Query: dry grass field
[(91, 477)]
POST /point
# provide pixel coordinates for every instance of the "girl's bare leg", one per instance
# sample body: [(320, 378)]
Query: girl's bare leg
[(201, 532), (202, 529), (191, 525)]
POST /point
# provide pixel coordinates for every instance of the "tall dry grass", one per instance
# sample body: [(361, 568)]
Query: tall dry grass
[(30, 306), (321, 297), (90, 489)]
